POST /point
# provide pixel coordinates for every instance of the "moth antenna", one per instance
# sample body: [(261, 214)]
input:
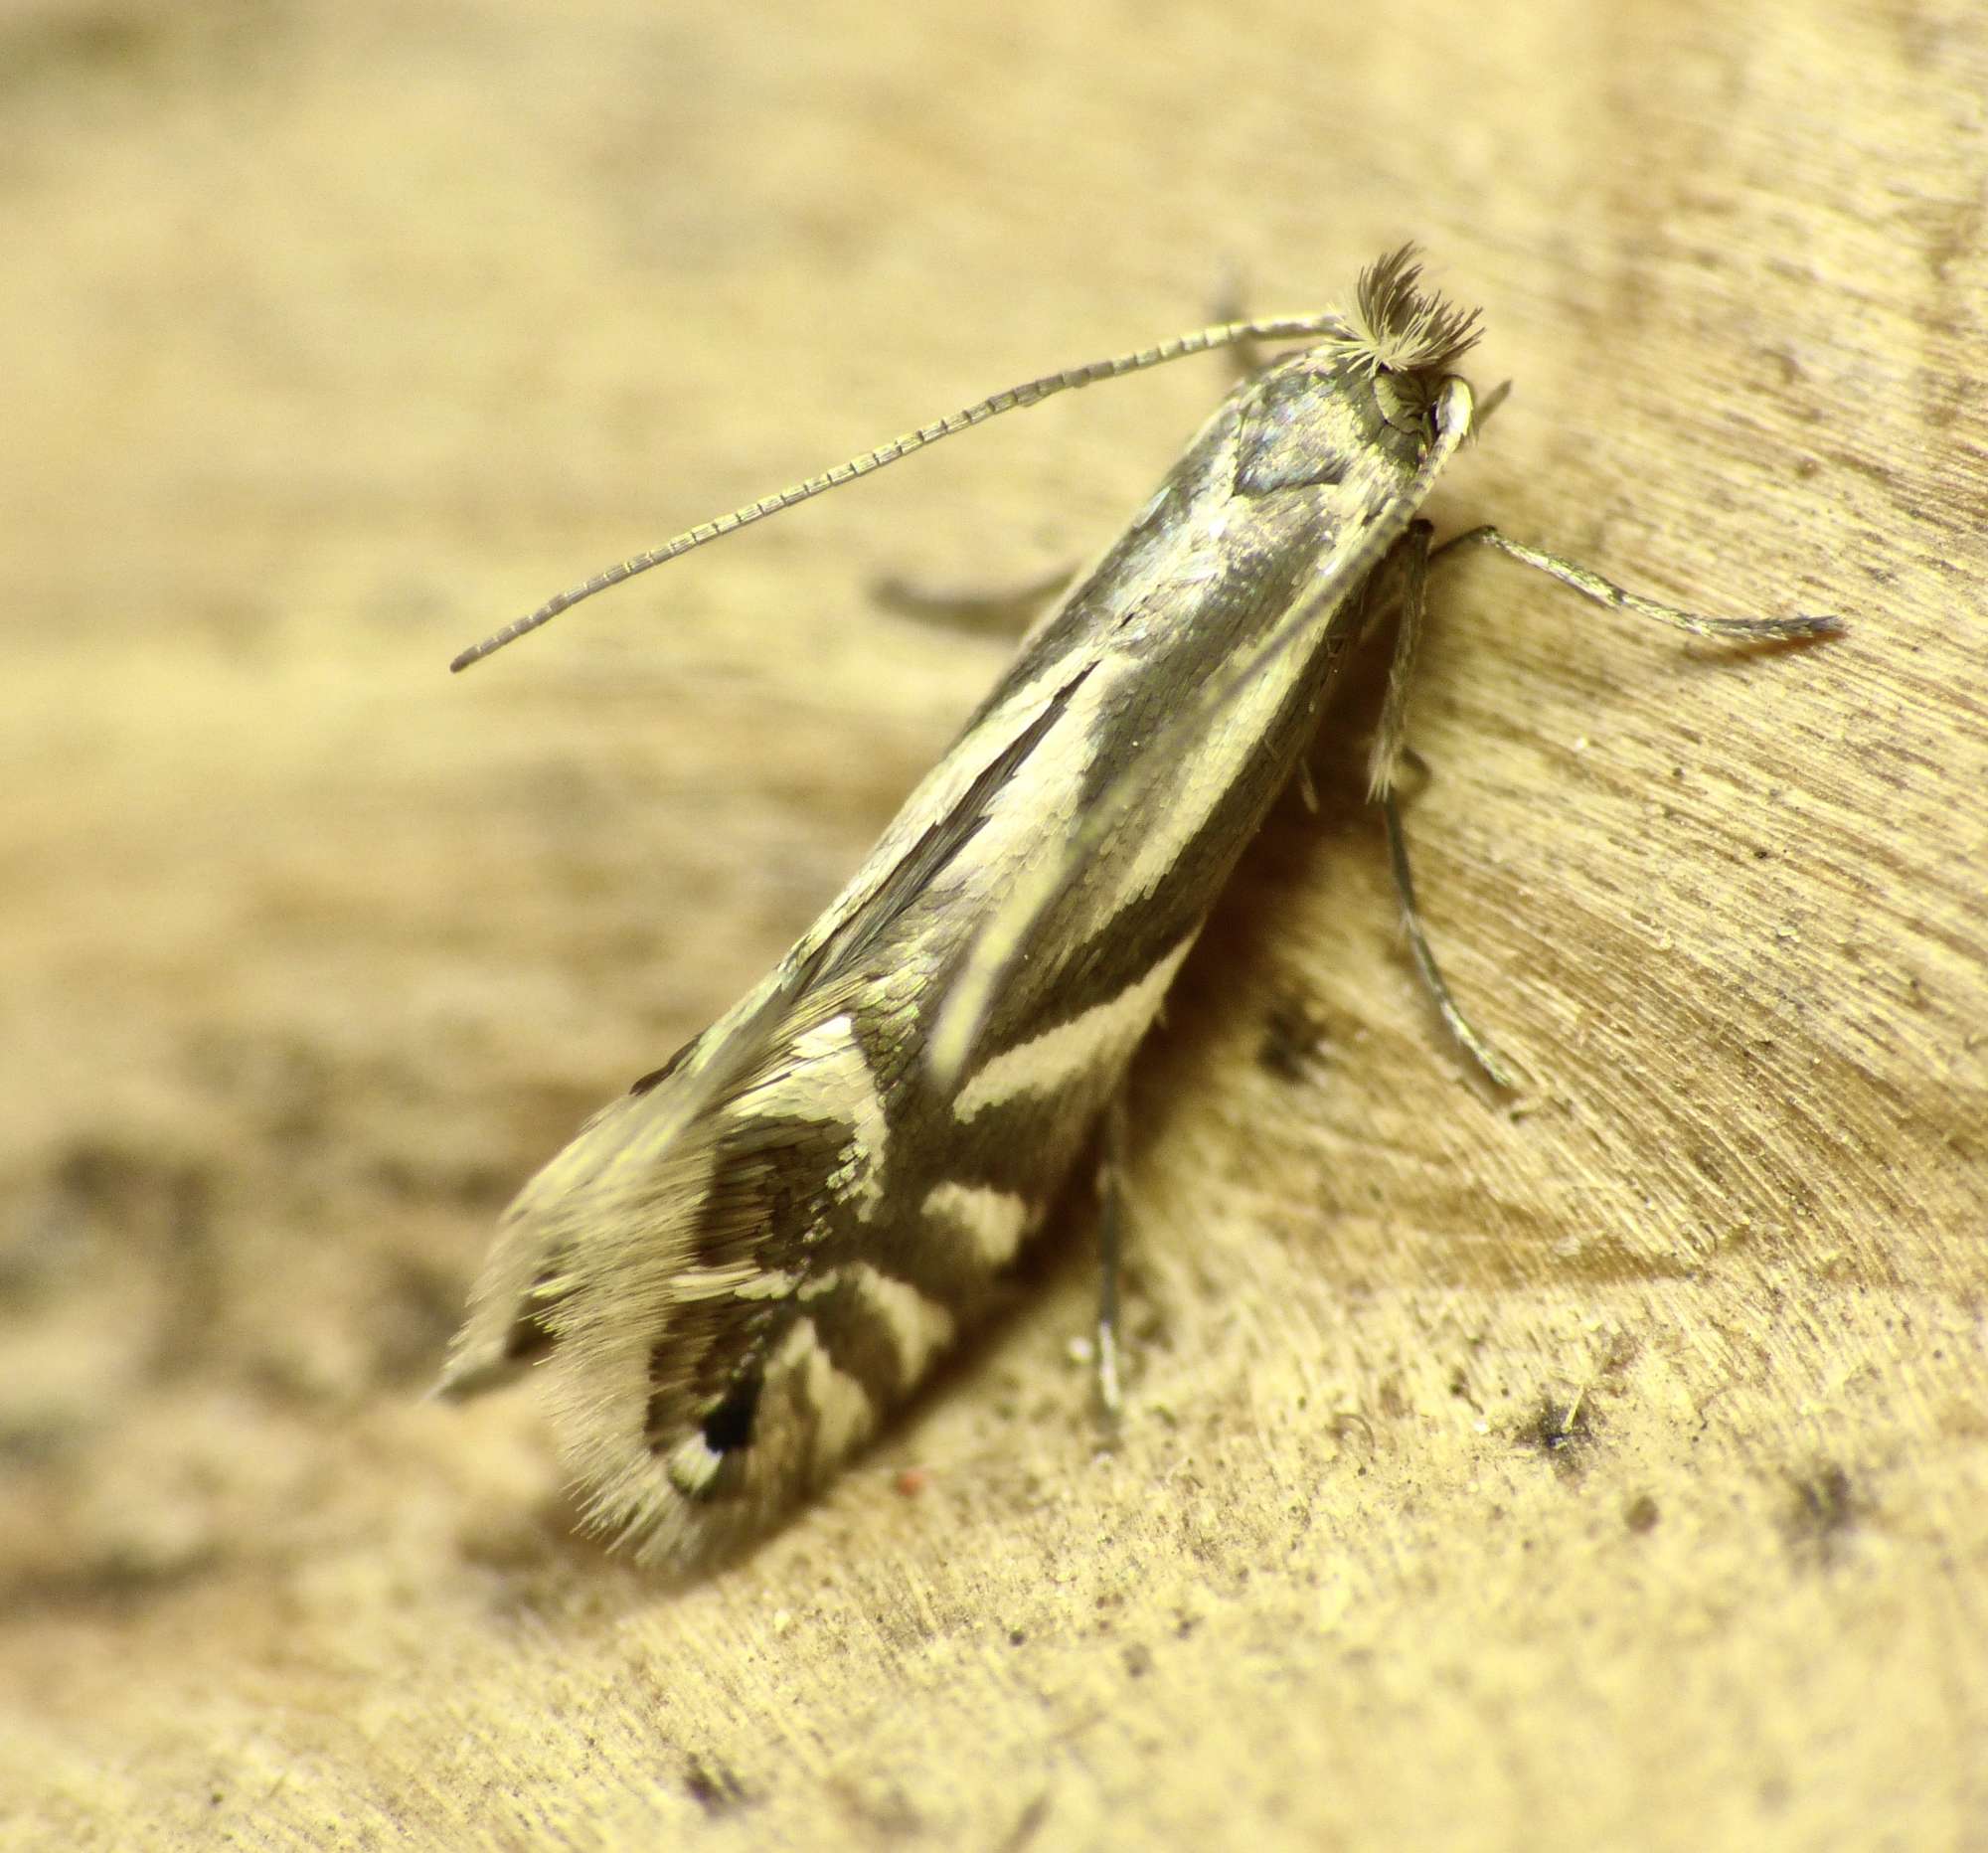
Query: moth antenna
[(1030, 393)]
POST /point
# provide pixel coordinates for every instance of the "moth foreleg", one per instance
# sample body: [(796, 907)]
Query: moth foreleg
[(1590, 584), (1412, 557)]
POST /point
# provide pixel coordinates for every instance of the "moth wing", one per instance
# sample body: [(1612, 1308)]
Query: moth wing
[(633, 1266)]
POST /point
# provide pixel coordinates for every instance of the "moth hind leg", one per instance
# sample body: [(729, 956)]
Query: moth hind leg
[(1107, 1383), (1412, 559), (1471, 1040), (975, 611)]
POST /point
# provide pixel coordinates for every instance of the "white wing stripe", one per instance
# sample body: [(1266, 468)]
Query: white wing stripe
[(1100, 1040), (993, 1221)]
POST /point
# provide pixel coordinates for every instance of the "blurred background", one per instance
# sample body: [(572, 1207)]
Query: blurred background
[(1498, 1479)]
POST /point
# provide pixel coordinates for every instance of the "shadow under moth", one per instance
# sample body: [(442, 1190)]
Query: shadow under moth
[(737, 1269)]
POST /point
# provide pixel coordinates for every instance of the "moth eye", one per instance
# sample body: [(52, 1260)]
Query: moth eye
[(730, 1425), (1404, 397)]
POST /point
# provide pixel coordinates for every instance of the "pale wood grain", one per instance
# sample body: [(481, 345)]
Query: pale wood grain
[(1612, 1474)]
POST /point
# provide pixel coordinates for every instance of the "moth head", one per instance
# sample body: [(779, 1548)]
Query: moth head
[(1402, 338)]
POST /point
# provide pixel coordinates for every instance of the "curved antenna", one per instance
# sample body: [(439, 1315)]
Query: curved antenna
[(1030, 393)]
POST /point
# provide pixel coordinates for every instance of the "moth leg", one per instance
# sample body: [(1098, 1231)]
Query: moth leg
[(1410, 558), (1383, 770), (1009, 610), (980, 611), (1591, 585), (1472, 1042), (1110, 1246), (1247, 355)]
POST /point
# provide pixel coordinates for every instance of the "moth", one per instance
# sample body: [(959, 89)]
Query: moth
[(739, 1268)]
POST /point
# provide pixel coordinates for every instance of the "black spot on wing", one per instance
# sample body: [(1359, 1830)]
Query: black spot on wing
[(728, 1431), (730, 1425)]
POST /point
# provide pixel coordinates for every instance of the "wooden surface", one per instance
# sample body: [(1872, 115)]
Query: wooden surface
[(1611, 1473)]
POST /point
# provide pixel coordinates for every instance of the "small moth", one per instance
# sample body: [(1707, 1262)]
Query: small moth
[(738, 1269)]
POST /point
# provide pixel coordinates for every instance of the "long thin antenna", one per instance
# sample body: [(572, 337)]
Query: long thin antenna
[(1034, 391)]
